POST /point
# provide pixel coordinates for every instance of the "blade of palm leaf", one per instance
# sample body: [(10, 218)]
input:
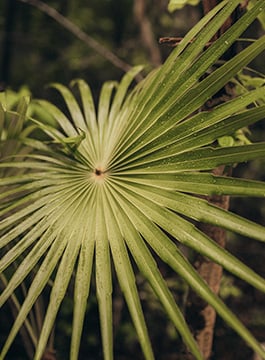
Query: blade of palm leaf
[(19, 228), (87, 103), (170, 254), (196, 137), (46, 204), (199, 139), (208, 213), (50, 130), (82, 282), (10, 146), (183, 86), (206, 119), (15, 124), (200, 210), (122, 91), (104, 104), (126, 277), (62, 162), (104, 107), (48, 168), (89, 113), (35, 208), (61, 282), (63, 201), (191, 128), (200, 183), (39, 249), (49, 164), (17, 306), (206, 158), (3, 100), (57, 162), (148, 268), (167, 75), (119, 98), (2, 119), (34, 179), (30, 183), (26, 266), (40, 198), (103, 278), (122, 120), (193, 99), (14, 252), (59, 116), (66, 212), (186, 233), (208, 57), (27, 130), (7, 192), (40, 192), (68, 145), (217, 79), (72, 106), (42, 277), (37, 145)]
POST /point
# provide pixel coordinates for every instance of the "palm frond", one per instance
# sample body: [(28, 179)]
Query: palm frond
[(121, 183)]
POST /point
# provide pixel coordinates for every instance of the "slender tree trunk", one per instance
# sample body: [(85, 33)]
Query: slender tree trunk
[(201, 315)]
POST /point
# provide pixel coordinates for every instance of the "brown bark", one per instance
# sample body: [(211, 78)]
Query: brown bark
[(49, 354)]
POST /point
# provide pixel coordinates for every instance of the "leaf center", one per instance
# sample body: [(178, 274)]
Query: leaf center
[(98, 172)]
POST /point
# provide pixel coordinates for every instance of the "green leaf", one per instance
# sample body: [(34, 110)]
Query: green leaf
[(150, 270), (200, 183), (206, 158), (82, 283), (126, 279), (261, 17), (180, 92), (169, 253), (104, 278), (39, 282), (186, 233)]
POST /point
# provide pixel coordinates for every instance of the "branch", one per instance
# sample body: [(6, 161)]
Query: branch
[(81, 35), (146, 31)]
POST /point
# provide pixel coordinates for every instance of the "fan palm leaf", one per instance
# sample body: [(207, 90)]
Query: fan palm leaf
[(122, 182)]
